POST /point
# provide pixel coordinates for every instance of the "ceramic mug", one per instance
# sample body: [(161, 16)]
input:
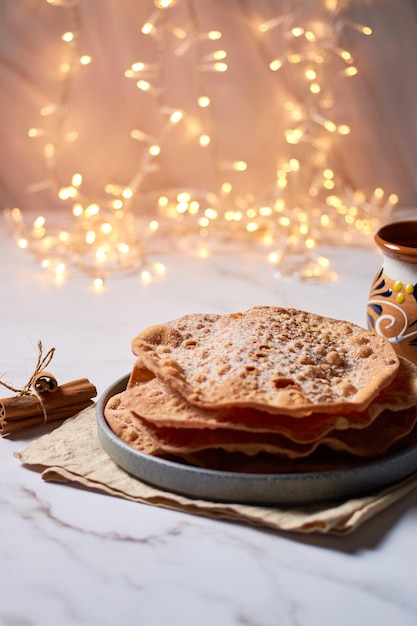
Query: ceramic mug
[(392, 303)]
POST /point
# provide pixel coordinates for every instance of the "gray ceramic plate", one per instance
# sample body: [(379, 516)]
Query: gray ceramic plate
[(302, 488)]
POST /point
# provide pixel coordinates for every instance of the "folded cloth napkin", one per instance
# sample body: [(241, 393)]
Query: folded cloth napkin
[(73, 454)]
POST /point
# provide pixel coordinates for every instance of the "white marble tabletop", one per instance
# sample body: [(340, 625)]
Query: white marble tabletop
[(72, 557)]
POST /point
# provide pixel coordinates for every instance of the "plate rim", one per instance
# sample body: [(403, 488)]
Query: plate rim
[(320, 486)]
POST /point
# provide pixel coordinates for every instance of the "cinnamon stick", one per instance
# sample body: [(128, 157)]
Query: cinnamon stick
[(44, 381), (20, 411), (8, 428)]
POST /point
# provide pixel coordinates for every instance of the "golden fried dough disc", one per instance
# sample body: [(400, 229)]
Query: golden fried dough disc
[(387, 429), (321, 460), (270, 358), (268, 390), (153, 400), (139, 375), (121, 422)]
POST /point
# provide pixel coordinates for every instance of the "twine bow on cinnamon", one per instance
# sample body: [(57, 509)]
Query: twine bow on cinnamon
[(35, 384), (41, 399)]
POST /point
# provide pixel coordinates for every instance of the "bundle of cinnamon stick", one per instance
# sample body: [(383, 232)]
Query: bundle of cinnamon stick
[(42, 399), (54, 403)]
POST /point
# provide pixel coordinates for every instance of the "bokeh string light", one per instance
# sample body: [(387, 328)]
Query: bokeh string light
[(305, 207)]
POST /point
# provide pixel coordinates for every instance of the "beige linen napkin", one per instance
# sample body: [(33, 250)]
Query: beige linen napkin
[(72, 454)]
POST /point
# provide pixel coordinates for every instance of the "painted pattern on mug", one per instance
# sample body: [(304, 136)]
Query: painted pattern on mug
[(392, 313)]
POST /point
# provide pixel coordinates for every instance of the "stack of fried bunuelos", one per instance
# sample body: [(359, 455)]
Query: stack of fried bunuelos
[(268, 390)]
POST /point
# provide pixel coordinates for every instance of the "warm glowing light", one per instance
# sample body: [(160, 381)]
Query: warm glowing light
[(101, 255), (180, 33), (310, 36), (219, 55), (90, 237), (176, 117), (346, 56), (194, 207), (39, 222), (297, 31), (147, 28), (308, 198), (49, 150), (351, 71), (68, 37), (49, 109), (64, 193), (293, 136), (203, 222), (214, 35), (182, 207), (22, 243), (204, 140), (343, 129), (77, 210), (64, 236), (210, 213), (145, 277), (144, 85), (159, 268), (138, 66), (92, 209), (135, 134), (275, 65), (203, 102), (265, 211), (72, 135), (98, 284), (164, 4), (106, 228)]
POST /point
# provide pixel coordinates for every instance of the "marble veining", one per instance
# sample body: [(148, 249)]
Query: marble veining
[(73, 557)]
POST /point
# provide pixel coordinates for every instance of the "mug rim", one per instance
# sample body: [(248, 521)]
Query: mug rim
[(390, 238)]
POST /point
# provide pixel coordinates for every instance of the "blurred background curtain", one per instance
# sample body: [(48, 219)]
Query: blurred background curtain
[(379, 104)]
